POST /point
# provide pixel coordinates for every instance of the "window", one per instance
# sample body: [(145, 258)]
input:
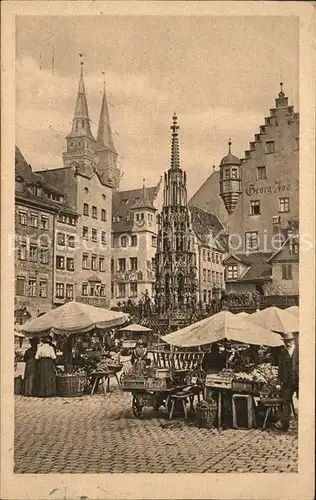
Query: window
[(204, 255), (217, 258), (209, 256), (284, 205), (254, 207), (222, 277), (94, 235), (154, 241), (20, 286), (112, 265), (121, 290), (232, 272), (43, 288), (234, 173), (69, 292), (71, 241), (32, 287), (124, 241), (133, 290), (133, 263), (94, 266), (261, 173), (204, 274), (86, 190), (22, 218), (134, 240), (101, 264), (60, 262), (251, 240), (34, 220), (276, 219), (94, 212), (85, 264), (103, 214), (209, 296), (227, 173), (213, 257), (37, 191), (61, 239), (204, 296), (85, 209), (122, 264), (208, 275), (44, 255), (70, 264), (44, 222), (270, 147), (84, 289), (60, 290), (213, 275), (22, 251), (112, 290), (85, 233), (33, 253), (287, 271)]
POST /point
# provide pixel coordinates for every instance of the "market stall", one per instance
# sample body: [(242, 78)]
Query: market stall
[(71, 325), (130, 334), (275, 319), (238, 385)]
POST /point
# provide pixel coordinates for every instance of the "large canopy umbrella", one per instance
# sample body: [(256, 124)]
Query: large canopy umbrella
[(242, 314), (275, 319), (135, 328), (293, 310), (221, 326), (74, 317)]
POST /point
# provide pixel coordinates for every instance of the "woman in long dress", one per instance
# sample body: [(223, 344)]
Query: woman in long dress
[(46, 381), (30, 368)]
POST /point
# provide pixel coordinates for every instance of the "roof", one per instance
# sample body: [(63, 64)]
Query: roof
[(144, 201), (259, 268), (205, 224), (81, 111), (207, 197), (230, 160), (284, 252), (104, 136), (122, 204)]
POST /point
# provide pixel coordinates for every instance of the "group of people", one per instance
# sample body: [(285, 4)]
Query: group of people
[(40, 368)]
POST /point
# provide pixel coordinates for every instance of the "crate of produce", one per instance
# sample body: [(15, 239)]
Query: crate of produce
[(131, 384), (243, 385), (163, 373), (156, 384), (218, 382), (70, 385)]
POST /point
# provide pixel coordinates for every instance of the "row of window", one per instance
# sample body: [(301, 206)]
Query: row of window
[(61, 240), (207, 296), (95, 263), (31, 287), (254, 207), (124, 290), (124, 240), (286, 269), (140, 216), (94, 235), (66, 219), (33, 219), (133, 264), (65, 290), (34, 253), (65, 263), (215, 275), (94, 212), (215, 257), (252, 242)]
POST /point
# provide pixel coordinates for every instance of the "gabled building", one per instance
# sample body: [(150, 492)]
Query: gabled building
[(247, 272), (285, 268), (134, 242)]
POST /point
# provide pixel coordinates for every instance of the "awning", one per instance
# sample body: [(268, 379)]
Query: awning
[(275, 319)]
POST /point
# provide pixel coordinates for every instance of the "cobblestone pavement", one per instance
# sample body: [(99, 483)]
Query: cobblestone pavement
[(100, 434)]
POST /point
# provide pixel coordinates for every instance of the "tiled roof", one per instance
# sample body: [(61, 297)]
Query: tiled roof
[(285, 252), (207, 197), (205, 224), (122, 204), (259, 268)]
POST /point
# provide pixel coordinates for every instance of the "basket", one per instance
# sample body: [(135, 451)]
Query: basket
[(18, 385), (205, 414), (71, 386)]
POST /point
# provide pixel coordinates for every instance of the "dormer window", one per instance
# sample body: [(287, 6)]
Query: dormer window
[(36, 190), (232, 272)]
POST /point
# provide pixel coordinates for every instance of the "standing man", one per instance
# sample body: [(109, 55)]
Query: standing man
[(288, 376)]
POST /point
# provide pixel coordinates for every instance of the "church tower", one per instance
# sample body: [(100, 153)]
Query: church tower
[(176, 272), (80, 141), (105, 149)]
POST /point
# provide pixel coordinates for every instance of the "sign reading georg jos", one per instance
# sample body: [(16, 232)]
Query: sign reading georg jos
[(278, 187)]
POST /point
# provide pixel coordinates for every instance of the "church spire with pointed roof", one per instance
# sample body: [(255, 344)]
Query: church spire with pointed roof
[(80, 141), (105, 148)]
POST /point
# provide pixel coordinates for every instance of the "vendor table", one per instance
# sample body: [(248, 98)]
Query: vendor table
[(97, 377)]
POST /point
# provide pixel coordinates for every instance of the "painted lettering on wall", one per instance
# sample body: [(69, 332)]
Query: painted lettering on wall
[(278, 187)]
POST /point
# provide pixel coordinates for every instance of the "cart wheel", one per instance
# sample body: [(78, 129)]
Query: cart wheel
[(137, 408)]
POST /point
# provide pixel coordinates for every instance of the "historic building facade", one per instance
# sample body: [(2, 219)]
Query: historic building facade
[(176, 262), (134, 243)]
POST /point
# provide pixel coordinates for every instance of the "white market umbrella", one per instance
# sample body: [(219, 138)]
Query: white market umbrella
[(220, 326), (275, 319), (135, 328), (74, 317), (293, 310), (242, 314)]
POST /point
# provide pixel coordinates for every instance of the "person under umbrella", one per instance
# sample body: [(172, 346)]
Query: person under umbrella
[(30, 368), (46, 383), (288, 376)]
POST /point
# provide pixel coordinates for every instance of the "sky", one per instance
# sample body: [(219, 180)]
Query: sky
[(220, 74)]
